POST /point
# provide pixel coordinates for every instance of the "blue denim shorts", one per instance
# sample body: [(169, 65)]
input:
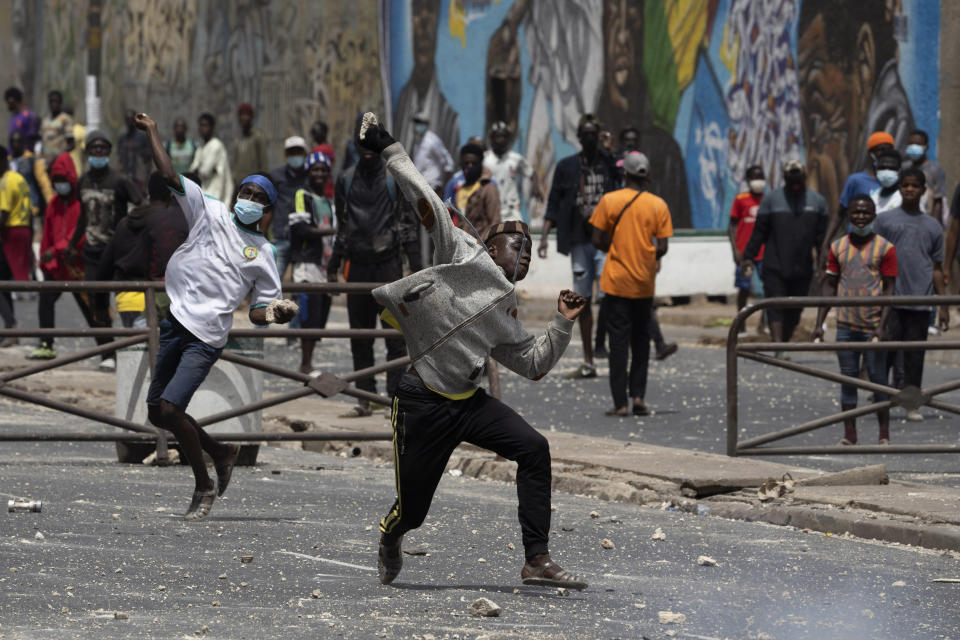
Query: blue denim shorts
[(183, 362), (587, 262)]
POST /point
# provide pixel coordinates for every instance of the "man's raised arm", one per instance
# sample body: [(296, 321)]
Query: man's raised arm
[(160, 158)]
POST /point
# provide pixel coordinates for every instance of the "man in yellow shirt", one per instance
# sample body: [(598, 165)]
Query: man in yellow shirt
[(15, 211), (638, 225)]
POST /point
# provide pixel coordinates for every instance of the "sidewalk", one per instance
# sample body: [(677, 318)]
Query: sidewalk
[(623, 471)]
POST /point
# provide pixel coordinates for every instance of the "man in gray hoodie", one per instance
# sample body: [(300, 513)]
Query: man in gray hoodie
[(453, 316)]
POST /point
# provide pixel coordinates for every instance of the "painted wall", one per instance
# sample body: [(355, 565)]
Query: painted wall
[(713, 85), (295, 61)]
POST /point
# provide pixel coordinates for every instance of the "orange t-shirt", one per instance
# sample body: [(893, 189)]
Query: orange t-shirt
[(631, 267)]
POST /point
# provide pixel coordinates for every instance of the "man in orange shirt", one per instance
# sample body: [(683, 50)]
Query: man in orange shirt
[(638, 225)]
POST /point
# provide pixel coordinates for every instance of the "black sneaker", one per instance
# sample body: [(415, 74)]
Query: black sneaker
[(600, 351), (389, 561)]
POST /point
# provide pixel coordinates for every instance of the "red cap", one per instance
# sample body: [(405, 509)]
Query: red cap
[(245, 107)]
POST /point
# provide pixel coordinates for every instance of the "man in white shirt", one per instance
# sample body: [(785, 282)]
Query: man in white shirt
[(509, 169), (224, 258), (211, 161), (430, 156)]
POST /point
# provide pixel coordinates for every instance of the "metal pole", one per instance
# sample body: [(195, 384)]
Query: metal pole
[(848, 450), (74, 357), (261, 436), (153, 347), (752, 443), (9, 391), (819, 373), (733, 417)]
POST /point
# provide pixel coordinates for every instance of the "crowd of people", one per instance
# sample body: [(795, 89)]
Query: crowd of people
[(100, 221)]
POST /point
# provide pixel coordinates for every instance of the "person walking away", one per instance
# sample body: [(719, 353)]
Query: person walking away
[(373, 227), (934, 198), (250, 150), (478, 197), (790, 225), (134, 152), (21, 118), (438, 403), (104, 196), (860, 264), (579, 181), (211, 162), (509, 169), (637, 225), (181, 149), (61, 249), (918, 239), (127, 256), (743, 217), (225, 259), (318, 132), (33, 170), (430, 155), (54, 128), (312, 226)]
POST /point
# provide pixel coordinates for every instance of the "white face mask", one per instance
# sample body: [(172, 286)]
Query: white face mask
[(757, 186)]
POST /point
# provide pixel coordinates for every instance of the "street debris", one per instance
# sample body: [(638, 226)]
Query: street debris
[(594, 515), (606, 543), (899, 583), (419, 550), (706, 561), (456, 473), (120, 615), (38, 536), (485, 607), (668, 617), (658, 534), (563, 592), (947, 580), (772, 489), (316, 593), (246, 559), (24, 504)]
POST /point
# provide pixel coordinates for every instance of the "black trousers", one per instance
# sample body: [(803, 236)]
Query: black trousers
[(628, 325), (776, 286), (907, 324), (362, 311), (46, 310), (6, 299), (427, 428)]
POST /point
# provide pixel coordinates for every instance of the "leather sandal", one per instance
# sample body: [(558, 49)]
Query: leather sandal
[(389, 561), (546, 573), (621, 411), (225, 468), (200, 505)]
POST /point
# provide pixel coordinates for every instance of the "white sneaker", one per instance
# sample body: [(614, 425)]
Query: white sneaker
[(914, 416), (108, 364), (933, 331)]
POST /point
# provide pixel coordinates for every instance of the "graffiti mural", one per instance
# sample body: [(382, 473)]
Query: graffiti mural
[(713, 86), (295, 61)]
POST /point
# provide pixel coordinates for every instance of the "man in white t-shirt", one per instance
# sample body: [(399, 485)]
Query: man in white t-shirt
[(509, 169), (224, 258)]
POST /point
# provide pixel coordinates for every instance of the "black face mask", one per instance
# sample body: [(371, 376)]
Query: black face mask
[(589, 142), (473, 174)]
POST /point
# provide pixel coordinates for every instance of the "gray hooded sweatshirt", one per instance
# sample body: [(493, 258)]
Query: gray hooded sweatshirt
[(456, 313)]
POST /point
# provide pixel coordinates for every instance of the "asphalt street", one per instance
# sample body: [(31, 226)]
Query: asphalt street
[(686, 393), (110, 557)]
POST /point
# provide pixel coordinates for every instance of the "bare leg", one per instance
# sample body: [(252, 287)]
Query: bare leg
[(169, 416), (306, 354)]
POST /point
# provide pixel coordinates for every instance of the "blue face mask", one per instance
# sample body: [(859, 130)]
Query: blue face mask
[(867, 230), (98, 162), (915, 151), (248, 211), (63, 188), (295, 162), (887, 177)]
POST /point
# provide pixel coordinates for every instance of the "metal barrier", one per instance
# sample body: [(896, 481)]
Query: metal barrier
[(326, 384), (910, 397)]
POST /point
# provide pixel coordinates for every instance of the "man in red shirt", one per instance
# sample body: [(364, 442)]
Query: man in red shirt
[(743, 215)]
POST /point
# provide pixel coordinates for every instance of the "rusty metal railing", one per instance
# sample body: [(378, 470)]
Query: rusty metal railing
[(910, 397), (326, 384)]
